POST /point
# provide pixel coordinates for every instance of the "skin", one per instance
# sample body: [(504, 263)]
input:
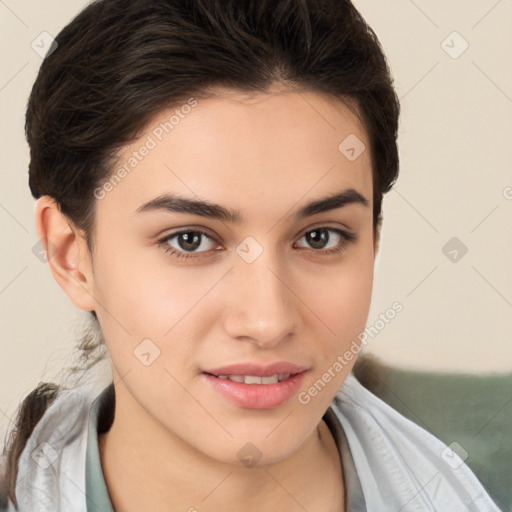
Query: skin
[(174, 441)]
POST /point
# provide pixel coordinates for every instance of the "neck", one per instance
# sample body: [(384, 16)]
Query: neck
[(157, 471)]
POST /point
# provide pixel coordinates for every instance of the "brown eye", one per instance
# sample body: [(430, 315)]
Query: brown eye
[(189, 240), (186, 243), (327, 239)]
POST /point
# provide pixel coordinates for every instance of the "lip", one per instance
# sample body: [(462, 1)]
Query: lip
[(257, 396)]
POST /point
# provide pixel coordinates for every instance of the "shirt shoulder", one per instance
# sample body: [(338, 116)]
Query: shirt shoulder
[(51, 468), (401, 466)]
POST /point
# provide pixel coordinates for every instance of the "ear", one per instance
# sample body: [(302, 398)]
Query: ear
[(66, 252)]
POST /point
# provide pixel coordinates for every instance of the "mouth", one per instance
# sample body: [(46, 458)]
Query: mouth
[(254, 379), (256, 388), (256, 370)]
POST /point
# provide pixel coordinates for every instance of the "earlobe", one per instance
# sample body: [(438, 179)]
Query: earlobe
[(66, 253)]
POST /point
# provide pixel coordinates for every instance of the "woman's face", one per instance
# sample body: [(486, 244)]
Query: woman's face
[(260, 279)]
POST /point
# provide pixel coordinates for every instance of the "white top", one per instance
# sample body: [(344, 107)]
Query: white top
[(389, 462)]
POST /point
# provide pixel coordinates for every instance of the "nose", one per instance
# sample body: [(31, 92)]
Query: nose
[(260, 305)]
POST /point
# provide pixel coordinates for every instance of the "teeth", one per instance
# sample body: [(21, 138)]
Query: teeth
[(250, 379), (254, 379)]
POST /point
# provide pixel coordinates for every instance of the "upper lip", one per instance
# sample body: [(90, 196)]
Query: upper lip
[(258, 370)]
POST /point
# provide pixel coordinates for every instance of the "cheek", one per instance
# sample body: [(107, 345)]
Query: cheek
[(161, 302), (148, 304), (343, 312), (341, 307), (139, 288), (342, 295)]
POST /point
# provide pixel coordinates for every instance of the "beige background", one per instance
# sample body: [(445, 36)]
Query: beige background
[(456, 181)]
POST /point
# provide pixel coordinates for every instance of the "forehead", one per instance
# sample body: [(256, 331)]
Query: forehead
[(245, 151)]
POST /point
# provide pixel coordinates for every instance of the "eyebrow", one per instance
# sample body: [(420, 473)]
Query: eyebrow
[(176, 204)]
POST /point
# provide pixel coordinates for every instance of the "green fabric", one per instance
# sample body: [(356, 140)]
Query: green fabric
[(474, 411), (98, 499)]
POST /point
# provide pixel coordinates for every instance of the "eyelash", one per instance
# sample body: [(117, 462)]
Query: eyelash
[(347, 238)]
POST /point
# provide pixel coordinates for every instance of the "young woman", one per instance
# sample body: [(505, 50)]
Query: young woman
[(209, 177)]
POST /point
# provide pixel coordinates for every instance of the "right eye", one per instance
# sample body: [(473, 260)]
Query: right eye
[(187, 242)]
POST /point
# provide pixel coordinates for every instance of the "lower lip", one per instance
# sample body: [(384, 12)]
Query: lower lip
[(257, 396)]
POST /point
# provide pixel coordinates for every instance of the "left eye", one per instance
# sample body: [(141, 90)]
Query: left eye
[(319, 238)]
